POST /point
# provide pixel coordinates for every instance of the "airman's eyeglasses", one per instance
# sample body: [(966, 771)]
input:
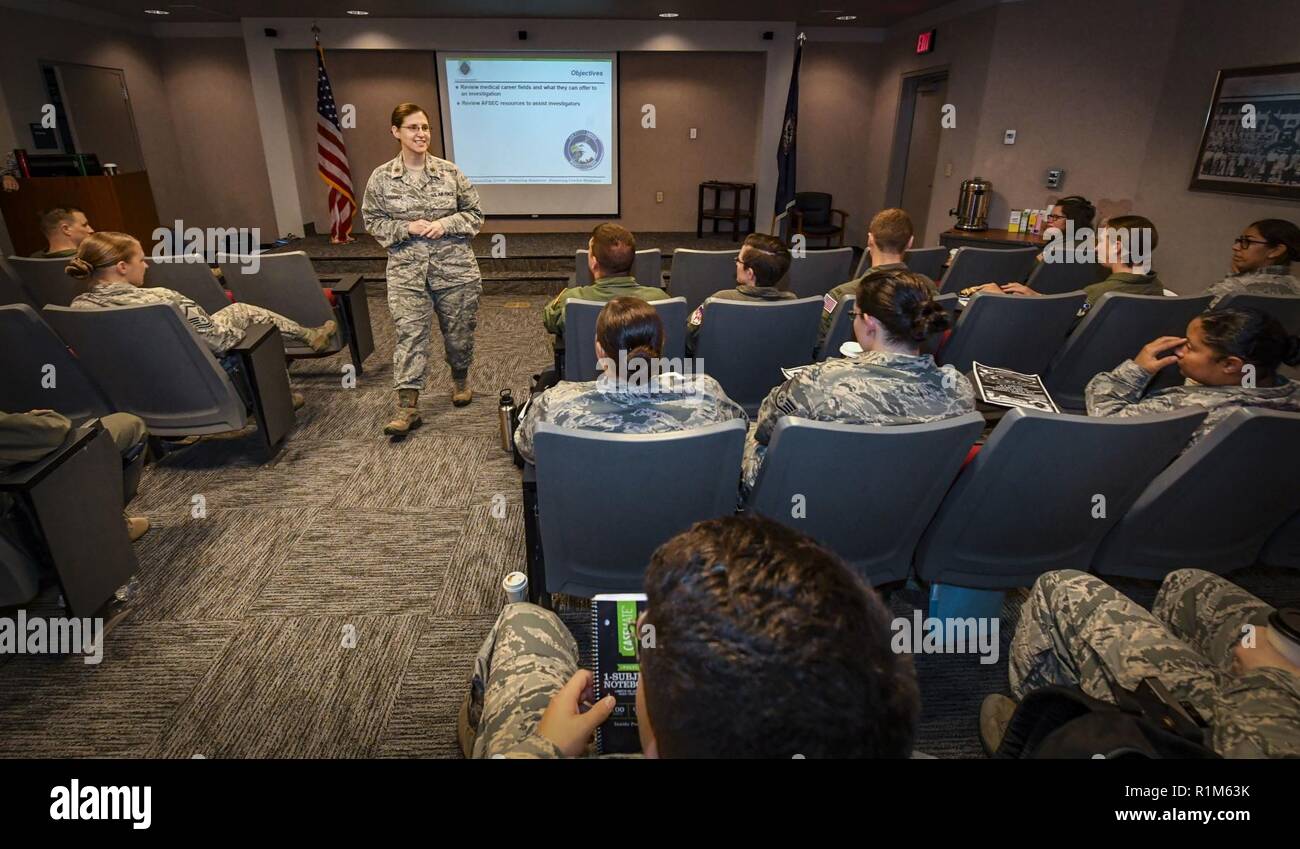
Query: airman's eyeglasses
[(417, 128), (1244, 242)]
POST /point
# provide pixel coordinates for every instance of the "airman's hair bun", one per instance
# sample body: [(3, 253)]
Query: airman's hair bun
[(78, 268)]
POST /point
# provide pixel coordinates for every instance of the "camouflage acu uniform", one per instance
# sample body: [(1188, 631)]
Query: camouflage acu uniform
[(1077, 630), (1271, 280), (875, 387), (527, 657), (840, 292), (670, 402), (427, 275), (222, 330), (737, 293), (1119, 393)]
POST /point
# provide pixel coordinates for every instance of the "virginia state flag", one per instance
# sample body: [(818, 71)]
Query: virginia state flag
[(785, 151)]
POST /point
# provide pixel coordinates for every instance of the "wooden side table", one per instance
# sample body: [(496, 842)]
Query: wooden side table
[(955, 238), (735, 214)]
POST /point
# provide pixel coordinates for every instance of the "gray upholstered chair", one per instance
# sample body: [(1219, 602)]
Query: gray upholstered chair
[(1114, 330), (148, 361), (744, 345), (286, 283), (976, 266), (1283, 547), (580, 332), (590, 484), (45, 281), (72, 507), (191, 276), (1042, 493), (1285, 308), (814, 478), (1055, 278), (695, 275), (1011, 331), (1216, 506), (817, 272)]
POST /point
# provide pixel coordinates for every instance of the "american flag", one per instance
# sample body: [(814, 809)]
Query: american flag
[(332, 156)]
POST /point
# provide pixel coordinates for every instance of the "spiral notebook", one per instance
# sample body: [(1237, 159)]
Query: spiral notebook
[(615, 645)]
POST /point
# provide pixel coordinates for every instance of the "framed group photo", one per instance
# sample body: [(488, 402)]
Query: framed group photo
[(1251, 141)]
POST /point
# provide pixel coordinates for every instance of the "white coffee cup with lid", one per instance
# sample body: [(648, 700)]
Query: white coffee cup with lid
[(516, 587)]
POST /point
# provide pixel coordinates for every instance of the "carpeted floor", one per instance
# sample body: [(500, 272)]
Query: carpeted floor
[(234, 645)]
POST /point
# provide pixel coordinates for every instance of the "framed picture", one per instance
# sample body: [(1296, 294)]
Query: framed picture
[(1251, 141)]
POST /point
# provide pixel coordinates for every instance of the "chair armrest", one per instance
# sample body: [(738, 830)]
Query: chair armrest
[(254, 337), (345, 283), (28, 475), (796, 217), (844, 216)]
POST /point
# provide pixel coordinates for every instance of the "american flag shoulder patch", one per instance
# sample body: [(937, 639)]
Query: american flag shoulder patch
[(828, 303), (697, 316)]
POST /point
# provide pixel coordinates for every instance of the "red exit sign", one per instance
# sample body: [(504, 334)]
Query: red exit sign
[(925, 41)]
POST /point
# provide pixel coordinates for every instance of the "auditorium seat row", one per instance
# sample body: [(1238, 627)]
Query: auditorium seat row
[(284, 283), (1047, 491)]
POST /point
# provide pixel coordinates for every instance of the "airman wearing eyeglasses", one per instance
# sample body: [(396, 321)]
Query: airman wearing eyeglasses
[(425, 211), (762, 268), (1261, 261)]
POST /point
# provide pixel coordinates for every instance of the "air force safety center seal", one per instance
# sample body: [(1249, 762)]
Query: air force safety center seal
[(584, 150)]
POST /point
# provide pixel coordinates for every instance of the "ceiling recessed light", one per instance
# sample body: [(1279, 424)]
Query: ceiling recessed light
[(667, 14), (156, 12), (358, 12), (846, 17)]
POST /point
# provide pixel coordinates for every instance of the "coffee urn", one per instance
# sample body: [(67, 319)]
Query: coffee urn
[(973, 205)]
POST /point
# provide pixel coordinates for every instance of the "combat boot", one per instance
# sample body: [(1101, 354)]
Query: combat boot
[(408, 415), (461, 395)]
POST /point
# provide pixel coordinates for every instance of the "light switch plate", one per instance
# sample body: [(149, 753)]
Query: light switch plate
[(659, 197), (1054, 177), (1009, 137), (693, 132)]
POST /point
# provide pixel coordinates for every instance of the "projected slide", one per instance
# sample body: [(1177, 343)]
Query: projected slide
[(520, 124)]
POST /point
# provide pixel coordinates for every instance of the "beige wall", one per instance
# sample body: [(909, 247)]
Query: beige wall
[(210, 98), (837, 89), (963, 47), (720, 94), (30, 38), (374, 82), (1085, 103), (1117, 97), (1197, 228)]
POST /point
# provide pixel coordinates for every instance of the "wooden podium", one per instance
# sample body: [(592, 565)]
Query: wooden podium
[(123, 202)]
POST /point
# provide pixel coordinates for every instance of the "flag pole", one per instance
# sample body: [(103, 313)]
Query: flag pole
[(785, 148)]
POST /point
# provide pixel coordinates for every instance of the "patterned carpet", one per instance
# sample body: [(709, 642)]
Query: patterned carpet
[(233, 646)]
